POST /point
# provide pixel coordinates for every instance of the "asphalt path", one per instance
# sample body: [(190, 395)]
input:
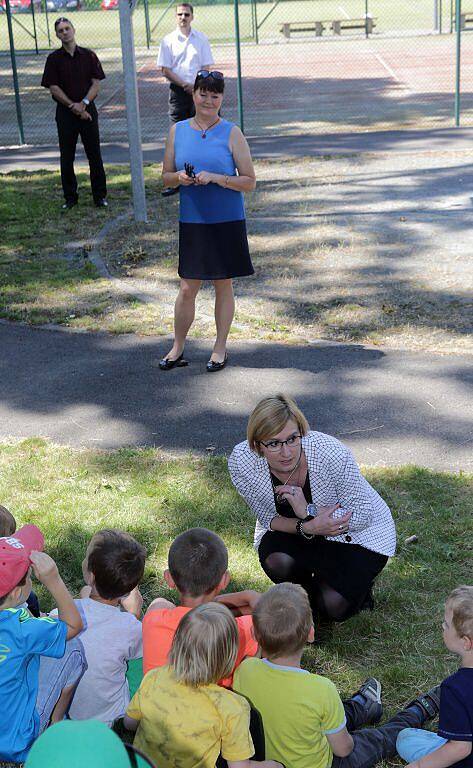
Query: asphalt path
[(30, 157), (105, 391)]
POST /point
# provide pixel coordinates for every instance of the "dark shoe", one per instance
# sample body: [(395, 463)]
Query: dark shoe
[(370, 690), (166, 364), (428, 702), (101, 203), (368, 602), (169, 191), (212, 366), (68, 204)]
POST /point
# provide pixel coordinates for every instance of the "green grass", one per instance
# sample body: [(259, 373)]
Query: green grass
[(72, 494), (101, 29)]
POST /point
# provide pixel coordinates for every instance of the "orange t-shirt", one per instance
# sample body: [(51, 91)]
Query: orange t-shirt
[(160, 625)]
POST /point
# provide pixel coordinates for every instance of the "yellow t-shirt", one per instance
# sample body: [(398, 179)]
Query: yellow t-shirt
[(298, 710), (189, 727)]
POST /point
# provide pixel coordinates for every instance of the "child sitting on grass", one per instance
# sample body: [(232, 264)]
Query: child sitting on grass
[(183, 717), (198, 561), (38, 669), (452, 744), (306, 725), (111, 608), (8, 528)]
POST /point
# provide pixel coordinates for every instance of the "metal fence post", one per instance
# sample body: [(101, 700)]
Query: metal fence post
[(458, 9), (47, 22), (19, 116), (132, 110), (366, 18), (147, 24), (34, 26), (238, 56)]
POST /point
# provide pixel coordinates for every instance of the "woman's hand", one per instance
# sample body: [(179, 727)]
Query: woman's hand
[(184, 179), (204, 177), (325, 524), (295, 496)]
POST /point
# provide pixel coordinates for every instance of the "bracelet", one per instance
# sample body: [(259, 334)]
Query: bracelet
[(226, 180), (71, 105), (300, 531)]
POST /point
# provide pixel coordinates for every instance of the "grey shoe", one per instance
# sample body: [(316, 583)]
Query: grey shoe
[(371, 692), (428, 702)]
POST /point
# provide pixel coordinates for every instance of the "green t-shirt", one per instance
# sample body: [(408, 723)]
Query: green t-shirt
[(298, 709)]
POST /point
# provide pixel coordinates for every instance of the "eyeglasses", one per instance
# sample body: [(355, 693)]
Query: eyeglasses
[(205, 73), (183, 14), (276, 445)]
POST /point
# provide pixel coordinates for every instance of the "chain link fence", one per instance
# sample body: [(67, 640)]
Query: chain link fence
[(308, 66)]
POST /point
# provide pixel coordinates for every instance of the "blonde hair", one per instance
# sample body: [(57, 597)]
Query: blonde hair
[(270, 416), (282, 619), (205, 646), (461, 603), (7, 522)]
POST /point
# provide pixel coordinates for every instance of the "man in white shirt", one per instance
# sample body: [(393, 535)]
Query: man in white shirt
[(182, 54)]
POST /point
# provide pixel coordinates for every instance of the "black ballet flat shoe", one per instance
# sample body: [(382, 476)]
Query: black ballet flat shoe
[(166, 364), (212, 366)]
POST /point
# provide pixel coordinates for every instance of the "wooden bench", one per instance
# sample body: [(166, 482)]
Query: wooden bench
[(366, 24), (303, 26)]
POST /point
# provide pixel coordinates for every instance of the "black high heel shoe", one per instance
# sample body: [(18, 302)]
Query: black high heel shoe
[(213, 366), (166, 364)]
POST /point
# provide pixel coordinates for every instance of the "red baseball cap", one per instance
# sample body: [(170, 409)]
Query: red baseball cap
[(15, 554)]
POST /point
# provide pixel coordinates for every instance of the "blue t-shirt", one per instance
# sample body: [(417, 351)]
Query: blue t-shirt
[(23, 639), (456, 710)]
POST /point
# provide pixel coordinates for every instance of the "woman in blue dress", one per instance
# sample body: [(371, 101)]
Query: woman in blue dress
[(212, 230)]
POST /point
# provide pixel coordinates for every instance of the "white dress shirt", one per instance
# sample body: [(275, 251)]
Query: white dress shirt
[(185, 55), (334, 478)]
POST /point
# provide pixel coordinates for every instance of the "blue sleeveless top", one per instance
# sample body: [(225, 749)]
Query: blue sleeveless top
[(209, 204)]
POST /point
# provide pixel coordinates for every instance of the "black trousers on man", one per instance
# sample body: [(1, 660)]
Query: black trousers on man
[(69, 128), (181, 104)]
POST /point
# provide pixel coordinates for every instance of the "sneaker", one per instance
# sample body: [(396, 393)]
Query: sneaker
[(428, 702), (68, 205), (370, 690), (101, 203)]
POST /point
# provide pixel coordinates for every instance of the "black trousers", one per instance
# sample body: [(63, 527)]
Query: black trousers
[(181, 104), (69, 128), (372, 745)]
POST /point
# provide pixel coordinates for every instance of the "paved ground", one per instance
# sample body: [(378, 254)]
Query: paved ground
[(447, 139), (105, 391)]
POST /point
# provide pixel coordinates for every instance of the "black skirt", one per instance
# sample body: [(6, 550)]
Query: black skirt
[(214, 251), (349, 569)]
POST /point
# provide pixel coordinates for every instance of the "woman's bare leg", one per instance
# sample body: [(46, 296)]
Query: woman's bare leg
[(184, 313), (224, 312)]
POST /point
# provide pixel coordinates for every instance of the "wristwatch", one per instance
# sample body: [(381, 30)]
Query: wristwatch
[(86, 101), (311, 510)]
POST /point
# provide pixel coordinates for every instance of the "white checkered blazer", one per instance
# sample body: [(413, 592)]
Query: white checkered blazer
[(334, 478)]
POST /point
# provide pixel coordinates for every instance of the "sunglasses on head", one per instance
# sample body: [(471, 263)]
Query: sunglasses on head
[(204, 73)]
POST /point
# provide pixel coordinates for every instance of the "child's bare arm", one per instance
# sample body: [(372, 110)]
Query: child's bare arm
[(45, 570), (240, 603), (159, 603), (133, 603), (448, 754), (130, 723), (341, 743)]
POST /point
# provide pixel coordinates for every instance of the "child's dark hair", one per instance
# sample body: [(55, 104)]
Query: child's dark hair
[(117, 562), (282, 619), (197, 560), (7, 522), (21, 583)]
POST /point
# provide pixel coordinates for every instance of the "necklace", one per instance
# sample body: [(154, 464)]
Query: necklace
[(204, 130), (286, 482)]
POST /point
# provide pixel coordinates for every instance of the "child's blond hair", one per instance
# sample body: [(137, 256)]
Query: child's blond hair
[(205, 645), (461, 603), (282, 619), (7, 522)]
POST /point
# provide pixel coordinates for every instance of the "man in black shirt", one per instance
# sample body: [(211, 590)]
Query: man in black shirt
[(72, 74)]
